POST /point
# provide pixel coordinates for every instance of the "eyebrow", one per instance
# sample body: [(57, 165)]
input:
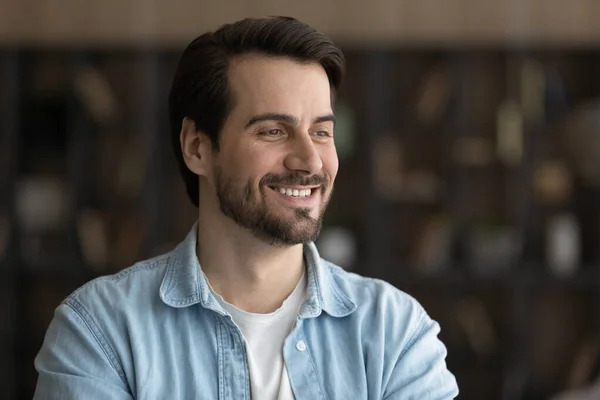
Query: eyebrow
[(287, 118)]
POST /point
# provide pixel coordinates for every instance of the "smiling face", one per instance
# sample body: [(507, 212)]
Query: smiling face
[(274, 171)]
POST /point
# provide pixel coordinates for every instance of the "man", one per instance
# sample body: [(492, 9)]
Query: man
[(244, 307)]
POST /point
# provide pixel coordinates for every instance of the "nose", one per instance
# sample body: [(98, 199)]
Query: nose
[(304, 156)]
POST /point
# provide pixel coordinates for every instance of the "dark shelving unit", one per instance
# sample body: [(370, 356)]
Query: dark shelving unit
[(381, 90)]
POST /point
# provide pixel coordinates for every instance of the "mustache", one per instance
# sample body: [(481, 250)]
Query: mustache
[(294, 178)]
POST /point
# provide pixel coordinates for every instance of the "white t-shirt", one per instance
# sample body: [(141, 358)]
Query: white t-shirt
[(264, 335)]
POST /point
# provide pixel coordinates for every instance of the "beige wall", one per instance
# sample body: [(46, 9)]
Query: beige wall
[(174, 22)]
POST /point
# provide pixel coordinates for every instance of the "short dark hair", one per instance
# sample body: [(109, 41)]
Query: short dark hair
[(200, 87)]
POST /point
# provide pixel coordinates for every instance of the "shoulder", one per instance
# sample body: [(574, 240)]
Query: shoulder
[(366, 290), (128, 289), (395, 318), (375, 296)]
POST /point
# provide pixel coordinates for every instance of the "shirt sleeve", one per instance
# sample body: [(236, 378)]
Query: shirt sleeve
[(420, 372), (73, 364)]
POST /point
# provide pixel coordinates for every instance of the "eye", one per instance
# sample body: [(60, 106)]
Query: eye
[(323, 134), (272, 132)]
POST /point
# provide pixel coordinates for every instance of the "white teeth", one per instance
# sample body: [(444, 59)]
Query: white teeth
[(295, 192)]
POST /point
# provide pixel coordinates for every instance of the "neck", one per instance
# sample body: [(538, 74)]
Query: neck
[(247, 272)]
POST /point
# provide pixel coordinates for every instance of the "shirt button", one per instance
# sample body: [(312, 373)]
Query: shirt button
[(300, 345)]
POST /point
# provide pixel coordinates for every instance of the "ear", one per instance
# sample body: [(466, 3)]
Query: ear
[(196, 148)]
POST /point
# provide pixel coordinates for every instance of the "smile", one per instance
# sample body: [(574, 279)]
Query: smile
[(294, 192)]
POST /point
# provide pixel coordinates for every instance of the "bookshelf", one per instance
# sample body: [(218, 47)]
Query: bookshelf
[(435, 200)]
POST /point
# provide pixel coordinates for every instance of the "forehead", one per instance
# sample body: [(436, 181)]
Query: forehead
[(261, 83)]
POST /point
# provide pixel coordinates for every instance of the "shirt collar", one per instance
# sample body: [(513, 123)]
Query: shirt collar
[(184, 284)]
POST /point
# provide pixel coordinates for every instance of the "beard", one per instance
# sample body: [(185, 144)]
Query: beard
[(247, 207)]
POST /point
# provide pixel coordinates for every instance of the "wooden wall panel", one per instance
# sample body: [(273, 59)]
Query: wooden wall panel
[(174, 23)]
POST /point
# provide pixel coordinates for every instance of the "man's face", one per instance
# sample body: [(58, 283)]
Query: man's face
[(276, 164)]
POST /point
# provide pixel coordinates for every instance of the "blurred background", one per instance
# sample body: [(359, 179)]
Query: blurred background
[(469, 143)]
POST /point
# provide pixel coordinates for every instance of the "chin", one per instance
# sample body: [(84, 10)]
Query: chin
[(292, 235)]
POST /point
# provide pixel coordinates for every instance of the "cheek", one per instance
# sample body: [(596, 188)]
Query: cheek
[(256, 162)]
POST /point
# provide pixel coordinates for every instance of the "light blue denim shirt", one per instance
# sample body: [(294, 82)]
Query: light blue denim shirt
[(155, 331)]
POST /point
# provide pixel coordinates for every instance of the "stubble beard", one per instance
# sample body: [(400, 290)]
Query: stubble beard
[(249, 209)]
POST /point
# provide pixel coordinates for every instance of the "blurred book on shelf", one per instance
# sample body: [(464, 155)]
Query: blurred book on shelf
[(93, 238), (434, 95), (510, 139), (493, 249), (42, 208), (97, 94), (552, 183), (563, 244), (477, 325), (582, 142), (433, 246), (533, 92)]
